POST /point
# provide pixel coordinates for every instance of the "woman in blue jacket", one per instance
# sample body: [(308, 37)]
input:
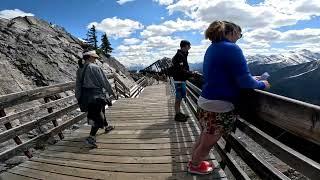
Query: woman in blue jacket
[(225, 72)]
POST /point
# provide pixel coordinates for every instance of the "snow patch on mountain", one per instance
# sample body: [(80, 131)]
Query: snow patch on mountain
[(290, 58)]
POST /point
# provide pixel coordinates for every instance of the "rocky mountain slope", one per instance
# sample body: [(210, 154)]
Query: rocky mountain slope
[(36, 53)]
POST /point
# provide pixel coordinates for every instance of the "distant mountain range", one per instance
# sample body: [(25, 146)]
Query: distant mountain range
[(293, 74), (136, 67)]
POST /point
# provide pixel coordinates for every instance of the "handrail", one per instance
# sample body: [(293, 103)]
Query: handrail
[(127, 92), (26, 112), (297, 117), (34, 94), (135, 91), (296, 160)]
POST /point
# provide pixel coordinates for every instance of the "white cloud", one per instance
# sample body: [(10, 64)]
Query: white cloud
[(148, 51), (301, 36), (308, 6), (9, 14), (270, 13), (117, 28), (153, 30), (307, 35), (169, 27), (124, 1), (164, 2), (155, 48), (185, 6), (131, 41), (315, 47)]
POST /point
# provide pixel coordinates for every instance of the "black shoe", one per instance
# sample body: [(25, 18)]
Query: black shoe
[(108, 129), (186, 116), (180, 118), (91, 142)]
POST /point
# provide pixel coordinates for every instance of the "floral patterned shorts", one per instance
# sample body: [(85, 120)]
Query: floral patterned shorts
[(216, 123)]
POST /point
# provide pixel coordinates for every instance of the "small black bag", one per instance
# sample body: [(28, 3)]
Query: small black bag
[(83, 101), (105, 99)]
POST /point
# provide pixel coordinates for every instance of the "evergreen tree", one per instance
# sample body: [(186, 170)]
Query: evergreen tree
[(92, 38), (105, 45)]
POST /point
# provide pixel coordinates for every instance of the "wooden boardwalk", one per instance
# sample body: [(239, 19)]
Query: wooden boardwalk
[(146, 144)]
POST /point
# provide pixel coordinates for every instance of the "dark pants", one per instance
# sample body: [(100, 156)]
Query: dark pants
[(96, 112)]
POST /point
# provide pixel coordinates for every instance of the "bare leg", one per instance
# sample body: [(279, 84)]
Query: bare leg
[(207, 141), (196, 144)]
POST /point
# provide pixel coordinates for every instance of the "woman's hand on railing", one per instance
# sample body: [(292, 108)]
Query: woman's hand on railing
[(267, 84), (257, 78)]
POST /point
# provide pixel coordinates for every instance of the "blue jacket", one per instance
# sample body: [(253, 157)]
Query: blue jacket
[(225, 72)]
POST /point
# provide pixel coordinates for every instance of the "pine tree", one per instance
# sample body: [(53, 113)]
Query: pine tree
[(105, 45), (92, 38)]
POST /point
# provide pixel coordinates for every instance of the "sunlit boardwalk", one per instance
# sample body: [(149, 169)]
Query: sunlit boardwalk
[(146, 144)]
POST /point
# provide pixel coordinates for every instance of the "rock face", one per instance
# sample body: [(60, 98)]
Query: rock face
[(36, 53)]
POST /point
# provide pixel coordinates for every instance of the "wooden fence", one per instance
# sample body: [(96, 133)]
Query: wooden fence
[(294, 116)]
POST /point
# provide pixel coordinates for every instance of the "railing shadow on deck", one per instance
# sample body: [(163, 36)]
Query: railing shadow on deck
[(182, 137)]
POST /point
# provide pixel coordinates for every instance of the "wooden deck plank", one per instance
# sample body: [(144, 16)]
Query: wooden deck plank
[(132, 136), (36, 174), (91, 173), (142, 132), (149, 127), (108, 140), (117, 159), (10, 176), (144, 146), (111, 167)]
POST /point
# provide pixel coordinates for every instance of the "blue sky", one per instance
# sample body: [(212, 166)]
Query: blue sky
[(142, 31)]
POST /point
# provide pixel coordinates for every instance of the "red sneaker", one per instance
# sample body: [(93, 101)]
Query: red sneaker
[(209, 164), (201, 169)]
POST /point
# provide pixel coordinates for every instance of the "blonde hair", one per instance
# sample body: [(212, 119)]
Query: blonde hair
[(215, 31), (218, 30)]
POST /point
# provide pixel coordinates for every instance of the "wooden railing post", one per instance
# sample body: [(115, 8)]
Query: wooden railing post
[(116, 88), (16, 139), (54, 122), (227, 147)]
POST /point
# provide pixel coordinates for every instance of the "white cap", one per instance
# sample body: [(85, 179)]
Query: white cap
[(91, 53)]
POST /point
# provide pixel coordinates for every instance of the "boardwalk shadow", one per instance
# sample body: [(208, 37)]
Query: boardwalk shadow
[(181, 137)]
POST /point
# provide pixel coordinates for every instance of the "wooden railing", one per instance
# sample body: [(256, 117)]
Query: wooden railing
[(47, 93), (52, 99), (127, 92), (297, 117)]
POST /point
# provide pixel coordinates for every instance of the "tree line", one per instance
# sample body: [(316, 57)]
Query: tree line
[(92, 41)]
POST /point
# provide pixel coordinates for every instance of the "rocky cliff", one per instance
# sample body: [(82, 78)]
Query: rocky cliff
[(36, 53)]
